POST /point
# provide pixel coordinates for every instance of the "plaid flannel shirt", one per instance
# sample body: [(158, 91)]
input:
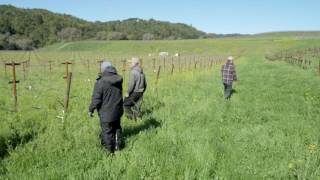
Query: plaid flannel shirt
[(229, 74)]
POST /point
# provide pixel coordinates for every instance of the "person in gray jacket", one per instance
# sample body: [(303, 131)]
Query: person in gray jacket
[(136, 87)]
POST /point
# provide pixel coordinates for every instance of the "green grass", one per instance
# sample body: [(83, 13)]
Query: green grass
[(269, 129)]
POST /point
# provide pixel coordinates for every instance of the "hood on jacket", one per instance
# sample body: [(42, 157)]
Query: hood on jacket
[(110, 75)]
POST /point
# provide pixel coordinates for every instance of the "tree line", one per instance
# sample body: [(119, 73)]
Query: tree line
[(34, 28)]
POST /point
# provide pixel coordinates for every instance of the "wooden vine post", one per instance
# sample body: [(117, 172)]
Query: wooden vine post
[(14, 83), (67, 63), (157, 79), (88, 65), (124, 65), (67, 93), (50, 66), (172, 69), (100, 63), (24, 64), (172, 66)]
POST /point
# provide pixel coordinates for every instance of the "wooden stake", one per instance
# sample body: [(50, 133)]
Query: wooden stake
[(24, 70), (100, 63), (67, 94), (67, 69), (14, 82), (124, 65), (50, 66), (88, 65), (172, 69), (157, 79)]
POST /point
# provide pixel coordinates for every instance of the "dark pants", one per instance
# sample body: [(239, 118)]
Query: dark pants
[(111, 135), (227, 90), (132, 105)]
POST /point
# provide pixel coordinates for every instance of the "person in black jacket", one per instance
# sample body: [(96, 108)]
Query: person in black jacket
[(107, 100)]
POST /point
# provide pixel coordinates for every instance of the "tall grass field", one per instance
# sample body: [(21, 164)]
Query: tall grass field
[(268, 130)]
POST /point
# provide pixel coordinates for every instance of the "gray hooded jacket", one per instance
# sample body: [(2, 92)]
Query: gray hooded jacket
[(137, 80)]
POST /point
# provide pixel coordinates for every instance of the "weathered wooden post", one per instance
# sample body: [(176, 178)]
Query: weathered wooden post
[(157, 79), (67, 93), (50, 66), (67, 63), (172, 65), (88, 65), (124, 65), (14, 82), (172, 68), (24, 69), (100, 63)]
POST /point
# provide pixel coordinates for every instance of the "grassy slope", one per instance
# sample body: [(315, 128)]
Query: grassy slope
[(291, 34), (189, 131)]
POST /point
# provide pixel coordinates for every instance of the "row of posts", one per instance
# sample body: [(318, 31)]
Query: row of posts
[(68, 74)]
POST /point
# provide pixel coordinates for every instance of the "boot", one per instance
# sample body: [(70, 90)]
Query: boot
[(109, 148), (119, 140)]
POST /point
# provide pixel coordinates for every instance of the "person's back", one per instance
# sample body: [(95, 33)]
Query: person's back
[(107, 100), (137, 80), (228, 75), (112, 103), (137, 85)]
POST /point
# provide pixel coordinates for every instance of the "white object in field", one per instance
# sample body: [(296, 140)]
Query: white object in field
[(29, 87), (164, 54), (177, 55), (149, 55)]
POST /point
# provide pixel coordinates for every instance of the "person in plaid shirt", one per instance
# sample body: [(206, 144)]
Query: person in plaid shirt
[(229, 75)]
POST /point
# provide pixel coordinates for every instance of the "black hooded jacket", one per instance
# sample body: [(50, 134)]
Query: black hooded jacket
[(107, 96)]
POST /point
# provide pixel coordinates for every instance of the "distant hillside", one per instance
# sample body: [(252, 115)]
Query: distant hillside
[(33, 28), (290, 34)]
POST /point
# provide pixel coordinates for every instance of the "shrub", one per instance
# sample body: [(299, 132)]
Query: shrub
[(116, 36), (148, 36)]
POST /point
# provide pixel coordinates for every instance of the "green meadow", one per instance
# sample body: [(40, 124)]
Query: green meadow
[(268, 130)]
